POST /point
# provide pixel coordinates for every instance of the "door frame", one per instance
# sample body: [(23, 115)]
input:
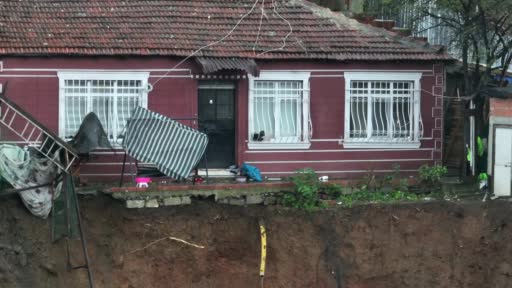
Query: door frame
[(494, 127), (235, 88)]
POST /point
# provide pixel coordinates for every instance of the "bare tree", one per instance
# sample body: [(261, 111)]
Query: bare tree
[(481, 32)]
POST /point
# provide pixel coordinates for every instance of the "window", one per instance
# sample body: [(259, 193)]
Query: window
[(382, 110), (279, 111), (111, 96)]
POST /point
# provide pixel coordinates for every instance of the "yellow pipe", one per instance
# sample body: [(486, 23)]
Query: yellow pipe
[(263, 234)]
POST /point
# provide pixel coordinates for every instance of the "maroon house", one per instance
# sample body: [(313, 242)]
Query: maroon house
[(281, 88)]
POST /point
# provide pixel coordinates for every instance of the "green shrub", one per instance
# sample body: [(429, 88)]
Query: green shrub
[(431, 175), (305, 194), (331, 190)]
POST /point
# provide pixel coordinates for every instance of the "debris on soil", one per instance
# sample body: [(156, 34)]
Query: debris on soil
[(433, 244), (167, 238)]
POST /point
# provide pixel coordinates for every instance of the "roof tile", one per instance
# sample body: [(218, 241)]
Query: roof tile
[(180, 27)]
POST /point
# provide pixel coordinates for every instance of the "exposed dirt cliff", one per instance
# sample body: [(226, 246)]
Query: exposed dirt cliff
[(437, 244)]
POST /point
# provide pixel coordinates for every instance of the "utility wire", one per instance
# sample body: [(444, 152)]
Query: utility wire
[(208, 45), (259, 28), (285, 37)]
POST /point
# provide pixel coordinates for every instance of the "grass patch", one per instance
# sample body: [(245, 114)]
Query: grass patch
[(311, 194), (347, 200)]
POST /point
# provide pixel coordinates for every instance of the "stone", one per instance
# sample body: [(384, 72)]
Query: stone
[(222, 200), (135, 203), (185, 200), (254, 199), (49, 267), (119, 261), (152, 203), (174, 201), (237, 201), (270, 200)]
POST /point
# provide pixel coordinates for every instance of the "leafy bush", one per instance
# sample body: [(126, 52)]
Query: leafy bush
[(307, 187), (431, 175), (308, 190), (330, 190)]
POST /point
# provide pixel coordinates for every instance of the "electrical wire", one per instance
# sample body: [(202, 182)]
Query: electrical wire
[(208, 45), (285, 37), (259, 28)]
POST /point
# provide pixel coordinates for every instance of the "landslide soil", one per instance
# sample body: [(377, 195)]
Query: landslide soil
[(436, 244)]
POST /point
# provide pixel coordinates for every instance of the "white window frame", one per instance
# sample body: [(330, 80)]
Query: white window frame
[(98, 75), (379, 143), (282, 76)]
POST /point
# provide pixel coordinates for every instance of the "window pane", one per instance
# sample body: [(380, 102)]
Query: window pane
[(128, 97), (390, 105), (358, 116), (401, 117), (111, 100), (101, 107), (75, 105), (402, 125), (100, 96), (380, 117), (76, 109), (264, 119), (278, 103), (225, 105), (288, 118), (263, 115)]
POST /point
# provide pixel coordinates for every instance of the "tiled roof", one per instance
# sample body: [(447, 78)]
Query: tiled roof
[(178, 28)]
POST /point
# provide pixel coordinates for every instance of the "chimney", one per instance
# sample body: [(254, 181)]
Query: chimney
[(422, 39), (386, 24), (404, 32), (364, 18)]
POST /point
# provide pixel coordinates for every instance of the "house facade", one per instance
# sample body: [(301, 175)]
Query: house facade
[(281, 88)]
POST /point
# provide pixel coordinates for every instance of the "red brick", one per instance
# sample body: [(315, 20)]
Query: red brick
[(438, 91), (438, 68)]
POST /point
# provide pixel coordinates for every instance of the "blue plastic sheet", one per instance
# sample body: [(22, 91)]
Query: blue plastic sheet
[(252, 172)]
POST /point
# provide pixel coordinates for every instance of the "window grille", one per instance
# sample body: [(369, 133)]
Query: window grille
[(111, 100), (278, 112), (383, 111)]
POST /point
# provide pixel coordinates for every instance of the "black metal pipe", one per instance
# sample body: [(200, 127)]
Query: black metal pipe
[(82, 237), (16, 191)]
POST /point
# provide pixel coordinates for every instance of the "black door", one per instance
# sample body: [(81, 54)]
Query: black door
[(217, 120)]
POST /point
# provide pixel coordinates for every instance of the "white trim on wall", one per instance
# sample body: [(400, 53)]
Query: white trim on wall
[(103, 75)]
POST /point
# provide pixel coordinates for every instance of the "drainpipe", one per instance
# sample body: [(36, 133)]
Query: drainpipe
[(472, 138)]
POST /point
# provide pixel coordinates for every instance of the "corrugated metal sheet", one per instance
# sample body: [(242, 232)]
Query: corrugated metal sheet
[(211, 65), (173, 147)]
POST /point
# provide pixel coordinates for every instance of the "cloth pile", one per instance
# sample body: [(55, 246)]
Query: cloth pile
[(22, 169)]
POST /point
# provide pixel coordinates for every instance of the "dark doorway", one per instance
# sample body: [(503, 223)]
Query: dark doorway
[(217, 120)]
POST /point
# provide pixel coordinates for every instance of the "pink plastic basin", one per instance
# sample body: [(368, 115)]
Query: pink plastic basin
[(142, 180)]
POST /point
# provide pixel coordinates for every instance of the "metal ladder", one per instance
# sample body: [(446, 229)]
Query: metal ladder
[(35, 134)]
